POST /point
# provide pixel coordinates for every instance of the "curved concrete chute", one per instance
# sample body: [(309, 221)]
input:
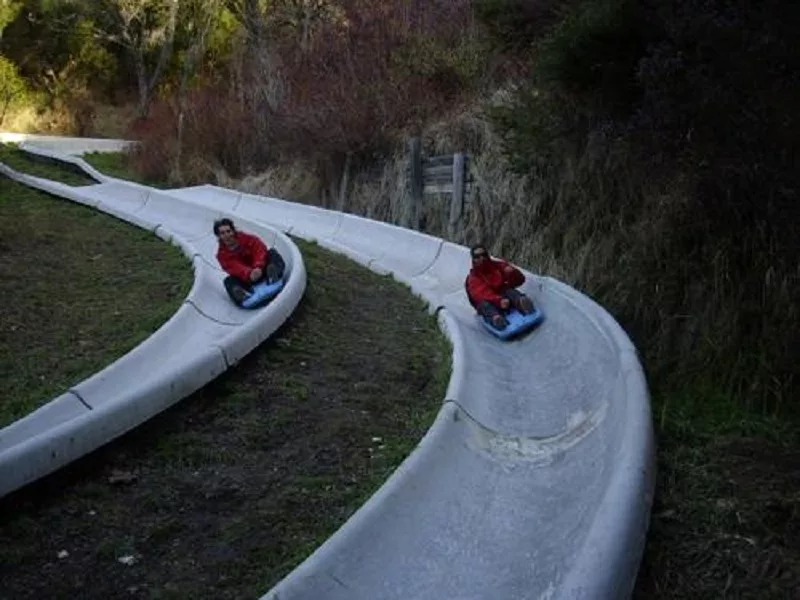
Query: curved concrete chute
[(209, 196), (444, 277), (200, 341), (540, 462), (308, 222), (188, 221), (535, 480), (61, 146), (386, 248)]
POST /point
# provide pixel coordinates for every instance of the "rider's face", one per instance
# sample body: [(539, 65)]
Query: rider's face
[(227, 235), (479, 256)]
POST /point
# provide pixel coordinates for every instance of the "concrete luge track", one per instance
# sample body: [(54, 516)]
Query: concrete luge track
[(536, 479), (205, 337)]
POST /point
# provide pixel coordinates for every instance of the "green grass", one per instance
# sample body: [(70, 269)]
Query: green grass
[(230, 489), (726, 518), (241, 481), (238, 483), (41, 166), (80, 289), (117, 164)]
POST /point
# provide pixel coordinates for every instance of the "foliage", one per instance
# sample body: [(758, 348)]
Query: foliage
[(585, 78), (678, 124), (342, 94), (75, 48), (517, 24), (9, 9), (55, 51), (12, 87)]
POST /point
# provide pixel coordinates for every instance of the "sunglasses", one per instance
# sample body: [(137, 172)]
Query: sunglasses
[(478, 255)]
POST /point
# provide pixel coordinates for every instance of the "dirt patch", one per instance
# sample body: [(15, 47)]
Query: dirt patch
[(226, 492)]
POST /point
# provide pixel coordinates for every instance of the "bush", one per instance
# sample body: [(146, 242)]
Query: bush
[(218, 136), (359, 81), (13, 90), (672, 129), (515, 25), (584, 82), (358, 86)]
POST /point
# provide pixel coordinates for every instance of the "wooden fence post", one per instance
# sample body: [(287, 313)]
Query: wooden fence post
[(459, 187), (416, 185), (344, 183)]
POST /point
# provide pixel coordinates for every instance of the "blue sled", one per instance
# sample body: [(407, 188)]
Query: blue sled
[(262, 293), (517, 323)]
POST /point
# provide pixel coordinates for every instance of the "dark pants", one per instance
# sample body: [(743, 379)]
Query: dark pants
[(489, 311), (238, 289)]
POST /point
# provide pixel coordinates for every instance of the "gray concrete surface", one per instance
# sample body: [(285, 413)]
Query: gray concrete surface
[(536, 479)]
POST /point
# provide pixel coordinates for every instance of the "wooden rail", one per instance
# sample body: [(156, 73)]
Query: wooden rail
[(445, 174)]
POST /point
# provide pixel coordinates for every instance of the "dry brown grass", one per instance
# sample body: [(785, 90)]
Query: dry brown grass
[(83, 117), (114, 121), (601, 227), (294, 182)]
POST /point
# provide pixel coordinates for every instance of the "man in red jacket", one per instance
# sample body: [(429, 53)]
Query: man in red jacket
[(246, 259), (490, 287)]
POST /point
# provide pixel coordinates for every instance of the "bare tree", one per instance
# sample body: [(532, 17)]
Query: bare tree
[(202, 16), (142, 28), (304, 17)]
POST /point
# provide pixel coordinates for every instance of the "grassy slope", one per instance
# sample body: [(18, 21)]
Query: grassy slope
[(727, 514), (235, 485), (227, 491), (726, 518), (76, 295), (115, 164), (43, 167)]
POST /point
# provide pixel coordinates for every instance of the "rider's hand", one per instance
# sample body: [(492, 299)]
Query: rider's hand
[(498, 321), (256, 274), (505, 303), (508, 270)]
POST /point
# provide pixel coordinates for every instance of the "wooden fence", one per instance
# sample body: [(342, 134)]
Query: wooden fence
[(446, 174), (427, 175)]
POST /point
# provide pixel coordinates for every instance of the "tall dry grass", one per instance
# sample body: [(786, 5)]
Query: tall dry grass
[(602, 227)]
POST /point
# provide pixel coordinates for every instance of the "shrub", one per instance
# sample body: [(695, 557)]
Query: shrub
[(219, 135), (515, 25), (13, 90), (361, 81), (670, 129)]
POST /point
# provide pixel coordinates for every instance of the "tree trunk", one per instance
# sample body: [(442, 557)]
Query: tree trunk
[(147, 86), (193, 56), (143, 107)]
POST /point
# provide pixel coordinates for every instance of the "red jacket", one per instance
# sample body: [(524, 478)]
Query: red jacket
[(251, 253), (488, 282)]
